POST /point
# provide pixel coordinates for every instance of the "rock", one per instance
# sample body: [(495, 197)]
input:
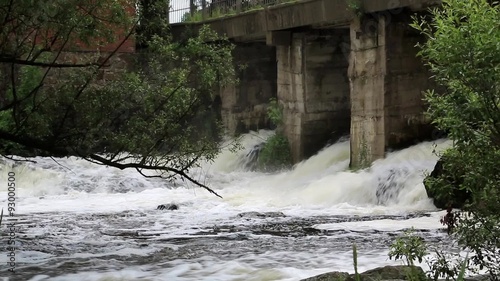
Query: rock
[(398, 272), (480, 277), (170, 207), (330, 276), (457, 198), (258, 215)]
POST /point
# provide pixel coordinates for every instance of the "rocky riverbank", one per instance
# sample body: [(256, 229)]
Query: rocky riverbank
[(399, 272)]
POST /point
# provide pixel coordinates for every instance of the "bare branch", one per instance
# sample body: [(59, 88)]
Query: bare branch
[(153, 168), (45, 64)]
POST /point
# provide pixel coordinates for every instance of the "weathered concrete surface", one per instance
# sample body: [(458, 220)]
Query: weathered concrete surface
[(387, 82), (314, 90), (386, 79), (367, 71), (244, 106), (407, 79)]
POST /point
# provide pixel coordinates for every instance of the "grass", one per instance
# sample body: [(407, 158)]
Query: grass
[(355, 261)]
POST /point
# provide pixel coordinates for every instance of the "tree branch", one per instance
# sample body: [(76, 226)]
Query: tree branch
[(136, 166), (45, 64)]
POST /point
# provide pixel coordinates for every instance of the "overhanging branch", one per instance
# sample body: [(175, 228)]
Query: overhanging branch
[(138, 167)]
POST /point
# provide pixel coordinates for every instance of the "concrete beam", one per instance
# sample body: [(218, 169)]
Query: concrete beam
[(279, 38), (256, 24)]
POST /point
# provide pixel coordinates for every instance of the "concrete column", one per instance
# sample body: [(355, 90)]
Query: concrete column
[(314, 90), (387, 81), (244, 106), (291, 91), (367, 71)]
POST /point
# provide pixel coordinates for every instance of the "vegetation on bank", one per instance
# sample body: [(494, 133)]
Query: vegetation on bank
[(143, 114), (463, 52)]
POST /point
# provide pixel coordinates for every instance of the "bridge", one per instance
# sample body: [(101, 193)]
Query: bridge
[(338, 67)]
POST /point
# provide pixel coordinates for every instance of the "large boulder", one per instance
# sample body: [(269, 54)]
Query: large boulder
[(398, 272), (444, 199)]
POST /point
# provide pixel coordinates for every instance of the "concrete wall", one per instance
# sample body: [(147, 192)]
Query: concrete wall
[(244, 106), (367, 71), (314, 90), (407, 79), (387, 81)]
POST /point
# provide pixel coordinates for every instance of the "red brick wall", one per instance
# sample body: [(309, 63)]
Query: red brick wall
[(76, 46), (127, 47)]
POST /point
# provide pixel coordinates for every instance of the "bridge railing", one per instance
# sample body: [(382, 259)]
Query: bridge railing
[(202, 10)]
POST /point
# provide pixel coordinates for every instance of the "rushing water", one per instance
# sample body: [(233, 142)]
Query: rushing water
[(80, 221)]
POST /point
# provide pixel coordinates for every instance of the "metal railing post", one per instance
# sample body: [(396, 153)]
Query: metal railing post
[(192, 8), (204, 9), (238, 6)]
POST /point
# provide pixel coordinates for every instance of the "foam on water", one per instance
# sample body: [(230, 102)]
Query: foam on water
[(80, 202)]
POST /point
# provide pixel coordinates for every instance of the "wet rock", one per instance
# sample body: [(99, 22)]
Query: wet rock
[(330, 276), (258, 215), (443, 200), (480, 277), (399, 272), (169, 207)]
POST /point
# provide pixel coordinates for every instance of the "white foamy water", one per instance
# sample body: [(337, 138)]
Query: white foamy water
[(80, 221)]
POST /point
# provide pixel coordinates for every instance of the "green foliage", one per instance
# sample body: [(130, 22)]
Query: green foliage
[(409, 247), (274, 112), (356, 7), (355, 262), (148, 116), (275, 155), (463, 269), (58, 23), (463, 52), (447, 265)]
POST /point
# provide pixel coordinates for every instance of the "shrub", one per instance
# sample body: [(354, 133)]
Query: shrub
[(275, 154)]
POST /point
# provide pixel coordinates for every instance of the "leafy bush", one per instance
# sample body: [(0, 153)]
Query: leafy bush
[(463, 52), (275, 154), (409, 247), (274, 112)]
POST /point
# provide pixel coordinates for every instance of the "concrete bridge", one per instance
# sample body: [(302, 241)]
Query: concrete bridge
[(338, 67)]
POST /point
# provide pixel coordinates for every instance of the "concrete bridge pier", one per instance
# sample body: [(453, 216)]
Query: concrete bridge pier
[(313, 88), (244, 106), (386, 84)]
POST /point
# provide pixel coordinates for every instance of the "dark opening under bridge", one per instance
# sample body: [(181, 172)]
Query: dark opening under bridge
[(338, 67)]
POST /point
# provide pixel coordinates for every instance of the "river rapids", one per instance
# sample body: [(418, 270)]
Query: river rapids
[(78, 221)]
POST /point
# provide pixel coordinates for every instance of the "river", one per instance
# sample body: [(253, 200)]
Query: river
[(80, 221)]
